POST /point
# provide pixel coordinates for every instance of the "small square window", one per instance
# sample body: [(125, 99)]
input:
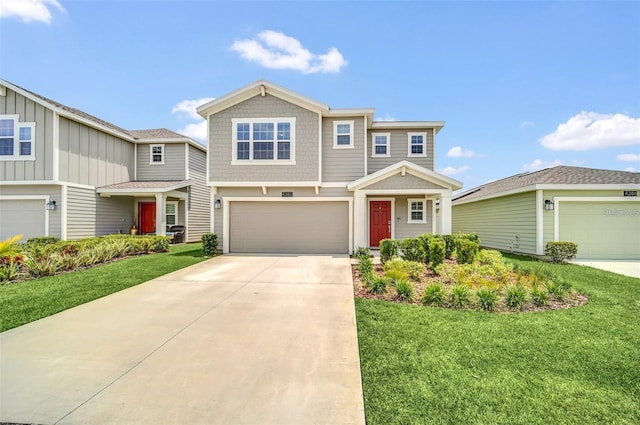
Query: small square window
[(342, 134), (380, 144), (417, 211), (417, 144), (157, 154)]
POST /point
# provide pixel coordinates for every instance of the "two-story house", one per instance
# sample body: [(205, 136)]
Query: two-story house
[(68, 174), (289, 174)]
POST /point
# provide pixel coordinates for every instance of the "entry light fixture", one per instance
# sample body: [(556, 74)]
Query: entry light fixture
[(51, 205), (548, 205), (218, 204)]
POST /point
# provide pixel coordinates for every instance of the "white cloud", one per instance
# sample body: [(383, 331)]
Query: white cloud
[(386, 117), (276, 50), (526, 124), (187, 109), (628, 157), (29, 10), (452, 171), (590, 130), (458, 152), (630, 169), (539, 164)]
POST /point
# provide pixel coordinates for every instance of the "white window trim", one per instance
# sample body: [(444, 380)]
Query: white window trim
[(424, 144), (16, 139), (424, 210), (151, 162), (176, 210), (373, 145), (275, 160), (335, 134)]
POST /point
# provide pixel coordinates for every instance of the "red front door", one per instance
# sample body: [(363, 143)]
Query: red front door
[(147, 217), (379, 222)]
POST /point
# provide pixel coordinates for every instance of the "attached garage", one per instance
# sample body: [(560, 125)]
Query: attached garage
[(602, 230), (27, 217), (289, 227)]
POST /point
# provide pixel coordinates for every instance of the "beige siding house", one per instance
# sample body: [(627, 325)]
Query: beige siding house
[(289, 174), (68, 174), (597, 209)]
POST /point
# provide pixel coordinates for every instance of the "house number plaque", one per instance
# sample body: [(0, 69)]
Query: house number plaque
[(287, 194), (630, 193)]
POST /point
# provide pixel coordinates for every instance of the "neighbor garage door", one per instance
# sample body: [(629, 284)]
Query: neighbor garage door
[(22, 217), (602, 230), (289, 227)]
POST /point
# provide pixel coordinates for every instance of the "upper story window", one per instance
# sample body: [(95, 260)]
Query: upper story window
[(156, 154), (417, 144), (380, 144), (417, 211), (342, 134), (263, 141), (17, 139)]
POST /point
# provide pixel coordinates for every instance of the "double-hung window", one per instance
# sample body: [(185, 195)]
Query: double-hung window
[(342, 134), (156, 154), (417, 211), (17, 139), (172, 213), (380, 144), (263, 141), (417, 144)]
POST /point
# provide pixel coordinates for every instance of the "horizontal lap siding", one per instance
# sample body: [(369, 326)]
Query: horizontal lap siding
[(172, 169), (404, 229), (507, 223), (29, 111), (399, 150), (90, 215), (342, 165), (199, 196)]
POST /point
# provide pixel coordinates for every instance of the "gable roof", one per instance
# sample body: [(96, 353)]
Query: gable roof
[(401, 167), (550, 178)]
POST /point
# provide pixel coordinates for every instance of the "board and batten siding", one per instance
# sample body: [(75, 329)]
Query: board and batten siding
[(342, 164), (92, 157), (221, 130), (29, 111), (53, 191), (399, 150), (172, 169), (89, 214), (507, 223), (199, 196)]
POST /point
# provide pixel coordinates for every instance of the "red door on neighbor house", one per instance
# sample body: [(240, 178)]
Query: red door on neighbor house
[(147, 217), (379, 222)]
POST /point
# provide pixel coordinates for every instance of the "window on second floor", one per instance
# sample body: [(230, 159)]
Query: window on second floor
[(380, 144), (156, 154), (264, 141), (17, 139), (417, 144), (342, 134), (417, 211)]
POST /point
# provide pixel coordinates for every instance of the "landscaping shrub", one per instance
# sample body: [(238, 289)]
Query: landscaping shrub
[(561, 251), (489, 257), (433, 295), (557, 288), (210, 244), (395, 275), (487, 298), (412, 269), (42, 240), (539, 296), (365, 266), (466, 250), (362, 252), (388, 249), (404, 290), (378, 285), (412, 250), (516, 297), (449, 245), (9, 271), (473, 237), (39, 267), (424, 242), (459, 297), (437, 250)]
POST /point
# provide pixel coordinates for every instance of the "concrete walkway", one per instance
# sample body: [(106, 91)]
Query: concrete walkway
[(232, 340), (625, 267)]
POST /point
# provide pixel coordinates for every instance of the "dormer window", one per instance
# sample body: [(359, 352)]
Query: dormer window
[(417, 144), (156, 154), (16, 139), (263, 141), (342, 134)]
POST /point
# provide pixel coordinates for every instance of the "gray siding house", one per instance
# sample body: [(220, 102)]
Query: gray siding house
[(289, 174), (597, 209), (68, 174)]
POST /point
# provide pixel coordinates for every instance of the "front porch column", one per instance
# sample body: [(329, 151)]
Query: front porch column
[(445, 214), (161, 216), (359, 219)]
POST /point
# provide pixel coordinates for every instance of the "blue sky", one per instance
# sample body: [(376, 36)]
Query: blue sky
[(520, 85)]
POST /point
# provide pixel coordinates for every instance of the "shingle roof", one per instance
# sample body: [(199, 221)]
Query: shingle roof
[(154, 184), (560, 175), (156, 133)]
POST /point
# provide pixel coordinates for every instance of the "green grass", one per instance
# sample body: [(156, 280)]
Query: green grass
[(423, 365), (31, 300)]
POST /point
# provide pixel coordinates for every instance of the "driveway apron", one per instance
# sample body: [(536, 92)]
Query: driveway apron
[(232, 340)]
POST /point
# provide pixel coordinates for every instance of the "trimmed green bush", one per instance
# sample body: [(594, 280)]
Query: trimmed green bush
[(449, 245), (424, 242), (466, 250), (42, 240), (388, 249), (437, 250), (561, 251), (361, 252), (412, 250), (473, 237), (210, 244), (365, 266), (433, 295), (413, 269)]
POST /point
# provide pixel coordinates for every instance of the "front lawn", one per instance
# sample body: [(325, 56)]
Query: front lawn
[(24, 302), (428, 365)]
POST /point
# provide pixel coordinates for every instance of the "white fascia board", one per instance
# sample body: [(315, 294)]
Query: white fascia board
[(43, 183), (437, 125), (146, 190), (265, 184), (350, 112), (160, 140), (411, 168)]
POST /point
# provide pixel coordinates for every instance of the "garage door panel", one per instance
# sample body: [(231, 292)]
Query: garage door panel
[(602, 230), (289, 227), (22, 217)]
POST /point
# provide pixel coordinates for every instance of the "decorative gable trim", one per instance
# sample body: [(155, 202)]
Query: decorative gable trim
[(405, 167)]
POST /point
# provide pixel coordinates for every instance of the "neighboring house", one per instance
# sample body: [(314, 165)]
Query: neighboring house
[(289, 174), (597, 209), (68, 174)]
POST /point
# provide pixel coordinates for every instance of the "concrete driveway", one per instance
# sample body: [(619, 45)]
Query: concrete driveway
[(625, 267), (232, 340)]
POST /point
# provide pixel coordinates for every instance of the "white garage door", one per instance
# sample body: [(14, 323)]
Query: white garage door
[(602, 230), (289, 227), (22, 217)]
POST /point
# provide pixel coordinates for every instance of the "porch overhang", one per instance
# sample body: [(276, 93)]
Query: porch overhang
[(403, 168), (146, 188)]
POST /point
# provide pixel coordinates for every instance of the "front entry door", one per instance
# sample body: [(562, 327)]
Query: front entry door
[(147, 217), (379, 222)]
